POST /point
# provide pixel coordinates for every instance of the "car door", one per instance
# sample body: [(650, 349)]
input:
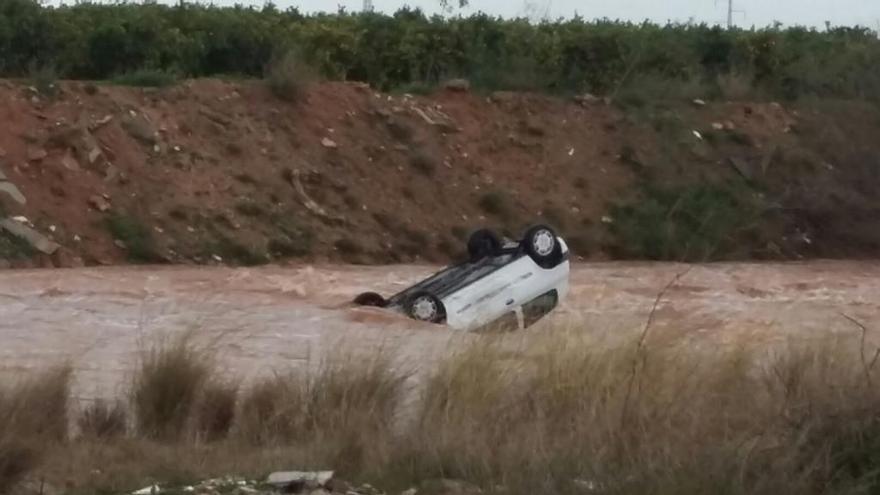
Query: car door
[(489, 298)]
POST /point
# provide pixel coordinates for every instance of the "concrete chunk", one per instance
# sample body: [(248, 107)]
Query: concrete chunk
[(13, 191), (37, 240), (301, 479)]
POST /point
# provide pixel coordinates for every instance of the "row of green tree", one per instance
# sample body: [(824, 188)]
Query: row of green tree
[(101, 41)]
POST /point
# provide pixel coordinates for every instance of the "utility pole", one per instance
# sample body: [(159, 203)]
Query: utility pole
[(729, 14), (368, 5)]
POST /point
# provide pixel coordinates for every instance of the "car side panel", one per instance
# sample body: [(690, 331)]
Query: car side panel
[(504, 291), (487, 298)]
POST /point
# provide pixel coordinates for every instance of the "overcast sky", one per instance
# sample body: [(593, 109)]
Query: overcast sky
[(754, 12)]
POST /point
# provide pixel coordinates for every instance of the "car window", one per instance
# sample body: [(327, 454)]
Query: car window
[(538, 307)]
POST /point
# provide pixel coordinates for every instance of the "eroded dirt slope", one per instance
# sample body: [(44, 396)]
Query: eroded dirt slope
[(210, 171)]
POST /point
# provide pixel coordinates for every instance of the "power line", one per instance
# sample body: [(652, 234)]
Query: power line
[(730, 12)]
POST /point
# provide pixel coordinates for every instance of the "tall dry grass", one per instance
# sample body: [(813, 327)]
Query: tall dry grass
[(535, 413), (33, 418)]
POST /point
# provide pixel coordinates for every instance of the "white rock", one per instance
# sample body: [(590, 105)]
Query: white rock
[(285, 478), (329, 143), (21, 219), (607, 219), (147, 490), (698, 135)]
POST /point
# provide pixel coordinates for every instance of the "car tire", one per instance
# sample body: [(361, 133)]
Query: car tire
[(483, 243), (542, 245), (370, 299), (426, 307)]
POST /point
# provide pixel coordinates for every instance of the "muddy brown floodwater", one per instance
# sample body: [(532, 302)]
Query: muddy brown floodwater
[(268, 319)]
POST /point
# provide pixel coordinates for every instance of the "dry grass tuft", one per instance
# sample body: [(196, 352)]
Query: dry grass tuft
[(343, 410), (167, 387), (289, 76), (537, 412), (214, 413), (33, 418), (102, 421)]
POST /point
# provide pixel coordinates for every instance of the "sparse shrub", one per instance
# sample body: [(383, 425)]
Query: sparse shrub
[(232, 250), (33, 418), (288, 76), (214, 412), (423, 162), (250, 208), (179, 213), (101, 420), (459, 232), (342, 410), (138, 238), (245, 178), (167, 385), (13, 247), (146, 78), (690, 223), (555, 216), (496, 203), (399, 129), (735, 86), (45, 80), (348, 246), (292, 240)]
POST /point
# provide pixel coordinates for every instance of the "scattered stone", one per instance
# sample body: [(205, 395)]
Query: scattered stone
[(217, 258), (457, 85), (150, 490), (77, 238), (729, 125), (698, 135), (70, 163), (411, 491), (700, 103), (297, 481), (502, 96), (587, 99), (94, 154), (12, 190), (718, 126), (99, 203), (329, 143), (100, 122), (2, 153), (35, 154), (38, 241), (119, 243), (606, 219), (21, 219), (140, 128), (64, 258)]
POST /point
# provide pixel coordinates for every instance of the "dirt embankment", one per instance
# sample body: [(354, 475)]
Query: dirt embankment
[(210, 171)]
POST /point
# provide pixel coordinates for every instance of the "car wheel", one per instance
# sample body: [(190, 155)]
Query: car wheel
[(370, 299), (483, 243), (425, 307), (542, 246)]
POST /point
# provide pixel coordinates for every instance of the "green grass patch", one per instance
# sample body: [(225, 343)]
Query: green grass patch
[(146, 78), (685, 223), (136, 235)]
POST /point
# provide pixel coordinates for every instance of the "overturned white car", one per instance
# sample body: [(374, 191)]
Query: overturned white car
[(511, 284)]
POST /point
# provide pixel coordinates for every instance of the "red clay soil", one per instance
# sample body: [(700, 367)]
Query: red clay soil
[(209, 171)]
